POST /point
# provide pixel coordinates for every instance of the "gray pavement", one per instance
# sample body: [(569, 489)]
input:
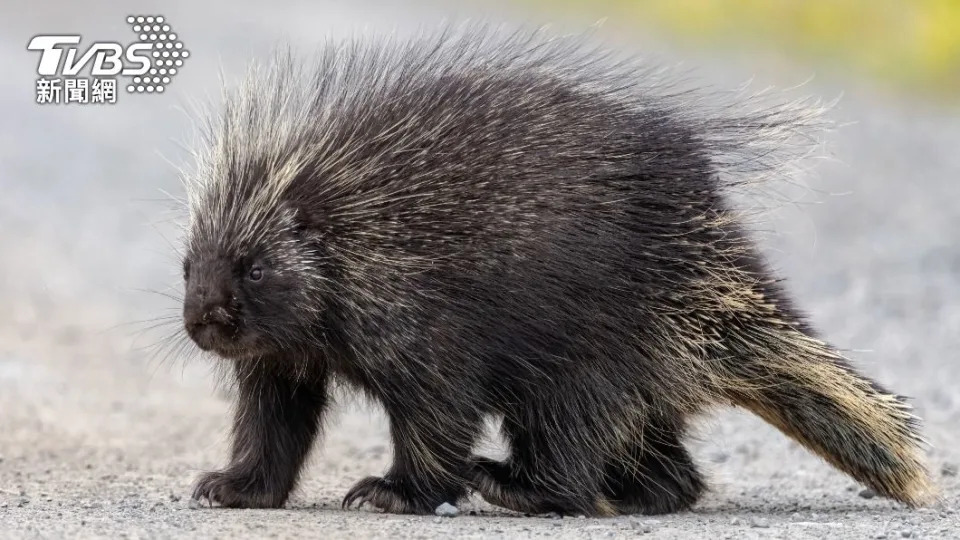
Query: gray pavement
[(100, 436)]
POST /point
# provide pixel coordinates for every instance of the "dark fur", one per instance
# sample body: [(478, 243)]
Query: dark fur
[(471, 226)]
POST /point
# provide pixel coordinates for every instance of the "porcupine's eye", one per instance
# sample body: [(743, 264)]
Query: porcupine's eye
[(256, 273)]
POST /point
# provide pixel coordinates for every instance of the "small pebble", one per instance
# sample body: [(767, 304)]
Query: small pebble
[(438, 519), (720, 457), (447, 510), (906, 533), (174, 497), (735, 521), (194, 504), (867, 494), (759, 523)]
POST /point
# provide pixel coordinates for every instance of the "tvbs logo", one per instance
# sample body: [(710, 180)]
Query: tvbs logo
[(107, 57), (147, 65)]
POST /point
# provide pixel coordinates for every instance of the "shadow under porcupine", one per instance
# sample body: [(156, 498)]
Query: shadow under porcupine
[(476, 223)]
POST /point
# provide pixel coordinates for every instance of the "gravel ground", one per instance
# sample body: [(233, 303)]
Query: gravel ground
[(100, 437)]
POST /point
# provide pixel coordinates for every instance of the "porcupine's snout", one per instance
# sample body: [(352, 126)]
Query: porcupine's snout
[(209, 314)]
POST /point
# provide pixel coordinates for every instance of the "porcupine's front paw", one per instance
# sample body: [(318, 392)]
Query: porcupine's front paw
[(236, 489), (399, 496)]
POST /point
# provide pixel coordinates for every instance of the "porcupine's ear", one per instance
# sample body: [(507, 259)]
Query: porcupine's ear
[(301, 222), (307, 221), (298, 221)]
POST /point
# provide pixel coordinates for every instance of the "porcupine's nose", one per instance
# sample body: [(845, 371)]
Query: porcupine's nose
[(206, 315)]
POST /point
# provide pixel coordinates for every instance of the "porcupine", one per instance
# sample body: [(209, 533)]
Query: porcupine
[(476, 224)]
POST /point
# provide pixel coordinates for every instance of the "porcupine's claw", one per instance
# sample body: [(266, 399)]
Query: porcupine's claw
[(229, 489), (395, 495), (362, 491)]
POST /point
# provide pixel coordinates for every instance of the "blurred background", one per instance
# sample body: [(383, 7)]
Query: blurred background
[(909, 47), (102, 429)]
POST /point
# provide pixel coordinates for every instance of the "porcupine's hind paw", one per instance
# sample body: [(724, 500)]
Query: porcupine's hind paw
[(397, 495), (657, 476), (497, 484), (234, 489), (657, 492)]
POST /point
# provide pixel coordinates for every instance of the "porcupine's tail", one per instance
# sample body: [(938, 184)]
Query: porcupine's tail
[(808, 391)]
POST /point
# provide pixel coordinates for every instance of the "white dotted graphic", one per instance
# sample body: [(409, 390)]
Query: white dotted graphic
[(168, 51)]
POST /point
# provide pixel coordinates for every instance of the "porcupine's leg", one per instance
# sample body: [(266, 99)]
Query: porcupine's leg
[(276, 422), (431, 444), (655, 474), (553, 465)]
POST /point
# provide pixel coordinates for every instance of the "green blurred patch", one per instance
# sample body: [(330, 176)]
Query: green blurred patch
[(911, 44)]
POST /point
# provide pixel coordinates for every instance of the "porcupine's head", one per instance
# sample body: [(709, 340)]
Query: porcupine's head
[(250, 273), (253, 270), (247, 295)]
